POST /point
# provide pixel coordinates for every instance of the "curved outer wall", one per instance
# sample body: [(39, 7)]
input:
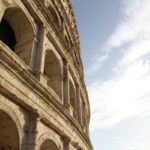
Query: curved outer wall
[(43, 99)]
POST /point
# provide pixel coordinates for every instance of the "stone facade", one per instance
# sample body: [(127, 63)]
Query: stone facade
[(43, 99)]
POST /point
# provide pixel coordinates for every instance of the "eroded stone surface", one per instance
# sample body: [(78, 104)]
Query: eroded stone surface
[(43, 99)]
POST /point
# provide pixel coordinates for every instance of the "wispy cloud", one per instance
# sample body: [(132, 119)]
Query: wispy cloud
[(133, 28), (117, 99), (127, 93)]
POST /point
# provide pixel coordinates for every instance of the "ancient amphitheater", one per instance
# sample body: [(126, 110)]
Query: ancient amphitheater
[(43, 99)]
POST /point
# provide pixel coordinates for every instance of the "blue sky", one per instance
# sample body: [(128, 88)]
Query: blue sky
[(115, 47)]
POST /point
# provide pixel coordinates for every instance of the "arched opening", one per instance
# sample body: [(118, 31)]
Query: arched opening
[(68, 42), (48, 145), (16, 31), (52, 69), (9, 139), (7, 34), (54, 16), (72, 99)]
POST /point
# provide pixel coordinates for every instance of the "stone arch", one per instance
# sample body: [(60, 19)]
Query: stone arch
[(23, 31), (46, 142), (48, 145), (54, 16), (10, 127), (68, 39), (68, 42), (53, 70)]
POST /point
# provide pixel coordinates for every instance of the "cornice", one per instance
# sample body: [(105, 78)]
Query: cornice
[(72, 19)]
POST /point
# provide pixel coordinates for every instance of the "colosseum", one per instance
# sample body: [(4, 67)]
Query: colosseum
[(43, 98)]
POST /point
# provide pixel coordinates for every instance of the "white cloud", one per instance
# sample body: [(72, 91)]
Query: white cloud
[(127, 93), (135, 24), (133, 29), (136, 51), (98, 64), (118, 99)]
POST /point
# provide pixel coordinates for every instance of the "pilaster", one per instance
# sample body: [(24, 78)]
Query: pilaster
[(79, 108), (37, 62), (66, 143), (29, 141), (66, 99)]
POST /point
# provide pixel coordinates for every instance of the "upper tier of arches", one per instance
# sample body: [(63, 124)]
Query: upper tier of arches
[(29, 41)]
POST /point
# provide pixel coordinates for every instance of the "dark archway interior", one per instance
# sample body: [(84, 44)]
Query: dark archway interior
[(7, 34), (9, 139), (52, 70)]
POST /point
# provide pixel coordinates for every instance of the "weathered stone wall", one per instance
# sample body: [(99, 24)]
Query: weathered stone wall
[(43, 99)]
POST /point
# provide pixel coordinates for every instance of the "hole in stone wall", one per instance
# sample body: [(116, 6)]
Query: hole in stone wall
[(7, 34), (17, 32)]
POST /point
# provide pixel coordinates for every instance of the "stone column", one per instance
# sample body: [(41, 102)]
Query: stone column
[(29, 141), (37, 62), (79, 109), (66, 143), (77, 98), (66, 99)]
